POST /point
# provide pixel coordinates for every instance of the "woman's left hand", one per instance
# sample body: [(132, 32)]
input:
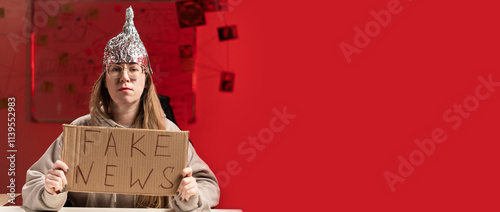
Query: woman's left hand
[(188, 186)]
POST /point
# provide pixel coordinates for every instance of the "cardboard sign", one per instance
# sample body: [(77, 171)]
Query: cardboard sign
[(121, 160)]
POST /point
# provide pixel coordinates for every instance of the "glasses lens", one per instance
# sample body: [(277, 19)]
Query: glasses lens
[(115, 71), (135, 71)]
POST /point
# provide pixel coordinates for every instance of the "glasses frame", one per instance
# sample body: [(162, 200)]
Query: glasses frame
[(128, 71)]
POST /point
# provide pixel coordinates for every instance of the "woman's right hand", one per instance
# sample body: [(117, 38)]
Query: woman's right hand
[(55, 178)]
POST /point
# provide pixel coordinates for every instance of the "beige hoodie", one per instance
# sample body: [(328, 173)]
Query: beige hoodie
[(36, 197)]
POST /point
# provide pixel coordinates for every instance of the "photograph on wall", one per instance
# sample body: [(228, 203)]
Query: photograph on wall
[(190, 13), (226, 81), (227, 33)]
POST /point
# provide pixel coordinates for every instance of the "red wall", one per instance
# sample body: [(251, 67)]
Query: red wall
[(353, 120)]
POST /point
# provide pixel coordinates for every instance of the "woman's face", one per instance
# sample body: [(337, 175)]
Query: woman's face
[(125, 83)]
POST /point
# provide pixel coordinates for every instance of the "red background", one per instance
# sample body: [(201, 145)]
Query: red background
[(353, 120)]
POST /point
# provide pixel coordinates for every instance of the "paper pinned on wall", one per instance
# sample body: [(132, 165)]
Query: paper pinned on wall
[(93, 14), (124, 160), (2, 12), (70, 88), (47, 87), (187, 65), (227, 33), (52, 21), (190, 13), (63, 58), (4, 103), (186, 51), (187, 60), (226, 82), (67, 9), (42, 40)]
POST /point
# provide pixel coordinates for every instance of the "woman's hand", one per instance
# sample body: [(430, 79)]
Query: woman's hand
[(55, 178), (188, 187)]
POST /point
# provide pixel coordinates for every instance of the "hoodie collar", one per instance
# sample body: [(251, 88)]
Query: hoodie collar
[(109, 123)]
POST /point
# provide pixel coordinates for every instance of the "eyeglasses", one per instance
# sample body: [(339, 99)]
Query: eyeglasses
[(135, 71)]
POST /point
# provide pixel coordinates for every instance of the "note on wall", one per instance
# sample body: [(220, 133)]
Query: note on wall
[(42, 40), (93, 14), (2, 12)]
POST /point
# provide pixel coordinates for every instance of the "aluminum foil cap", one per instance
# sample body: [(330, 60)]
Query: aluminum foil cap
[(127, 46)]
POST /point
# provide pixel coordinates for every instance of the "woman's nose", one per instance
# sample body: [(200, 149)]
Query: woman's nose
[(124, 76)]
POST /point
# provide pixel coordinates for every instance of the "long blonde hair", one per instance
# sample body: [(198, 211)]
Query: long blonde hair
[(150, 116)]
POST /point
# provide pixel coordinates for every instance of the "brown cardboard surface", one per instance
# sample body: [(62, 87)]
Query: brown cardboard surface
[(4, 198), (121, 160)]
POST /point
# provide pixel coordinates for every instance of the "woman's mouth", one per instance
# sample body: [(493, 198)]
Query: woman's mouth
[(124, 89)]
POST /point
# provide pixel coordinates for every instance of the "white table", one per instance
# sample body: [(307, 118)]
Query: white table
[(78, 209)]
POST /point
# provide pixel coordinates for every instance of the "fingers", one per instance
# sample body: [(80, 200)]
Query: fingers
[(60, 174), (60, 184), (185, 182), (187, 172), (60, 168), (53, 184), (55, 178), (61, 165), (187, 188)]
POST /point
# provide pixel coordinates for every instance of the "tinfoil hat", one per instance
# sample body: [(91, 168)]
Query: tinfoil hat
[(127, 46)]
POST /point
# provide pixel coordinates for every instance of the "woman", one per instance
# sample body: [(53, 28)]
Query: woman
[(123, 96)]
